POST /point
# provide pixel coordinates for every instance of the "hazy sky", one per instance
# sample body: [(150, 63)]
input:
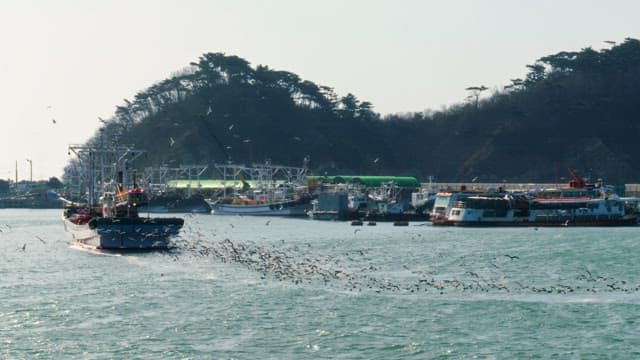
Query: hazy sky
[(75, 61)]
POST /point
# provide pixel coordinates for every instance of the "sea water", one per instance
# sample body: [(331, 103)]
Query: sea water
[(275, 288)]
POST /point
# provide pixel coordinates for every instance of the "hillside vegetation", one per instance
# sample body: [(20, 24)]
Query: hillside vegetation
[(573, 109)]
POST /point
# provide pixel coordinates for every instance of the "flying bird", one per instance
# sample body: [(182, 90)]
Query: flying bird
[(53, 120), (230, 127), (209, 111), (171, 141)]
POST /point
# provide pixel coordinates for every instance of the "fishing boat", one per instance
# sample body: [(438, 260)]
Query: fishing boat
[(245, 205), (177, 203), (262, 190), (112, 221), (422, 201)]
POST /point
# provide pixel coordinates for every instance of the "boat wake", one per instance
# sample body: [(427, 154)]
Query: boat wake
[(93, 250)]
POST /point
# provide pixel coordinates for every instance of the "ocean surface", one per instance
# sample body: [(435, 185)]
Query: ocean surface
[(273, 288)]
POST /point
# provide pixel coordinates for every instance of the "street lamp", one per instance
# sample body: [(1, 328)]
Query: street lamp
[(30, 170)]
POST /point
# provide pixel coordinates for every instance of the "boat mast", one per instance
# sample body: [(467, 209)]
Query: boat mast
[(100, 165)]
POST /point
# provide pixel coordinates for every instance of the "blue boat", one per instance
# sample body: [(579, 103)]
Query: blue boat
[(118, 226), (110, 219)]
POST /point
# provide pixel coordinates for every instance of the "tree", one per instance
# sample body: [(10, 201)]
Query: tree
[(4, 186), (54, 183), (536, 73), (349, 106), (475, 93)]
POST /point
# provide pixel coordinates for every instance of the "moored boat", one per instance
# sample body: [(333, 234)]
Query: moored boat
[(265, 190), (577, 205), (495, 211), (241, 205)]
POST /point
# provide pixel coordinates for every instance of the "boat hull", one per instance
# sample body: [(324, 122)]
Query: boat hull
[(628, 220), (292, 209), (125, 233), (604, 223)]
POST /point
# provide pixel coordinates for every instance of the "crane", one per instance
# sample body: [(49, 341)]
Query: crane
[(577, 181)]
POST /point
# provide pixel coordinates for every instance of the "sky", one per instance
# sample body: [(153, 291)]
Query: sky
[(74, 61)]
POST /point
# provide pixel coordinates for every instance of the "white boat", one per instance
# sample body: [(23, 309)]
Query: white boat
[(283, 208), (573, 207), (262, 190), (422, 201)]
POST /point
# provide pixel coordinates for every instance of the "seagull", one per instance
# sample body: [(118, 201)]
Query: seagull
[(474, 179), (246, 140), (297, 138), (102, 120), (230, 127), (209, 111), (375, 161), (53, 120), (171, 141)]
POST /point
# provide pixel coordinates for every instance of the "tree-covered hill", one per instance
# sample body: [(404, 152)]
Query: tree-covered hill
[(573, 109)]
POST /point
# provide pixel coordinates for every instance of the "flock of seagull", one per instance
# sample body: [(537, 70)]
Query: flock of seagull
[(362, 269)]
